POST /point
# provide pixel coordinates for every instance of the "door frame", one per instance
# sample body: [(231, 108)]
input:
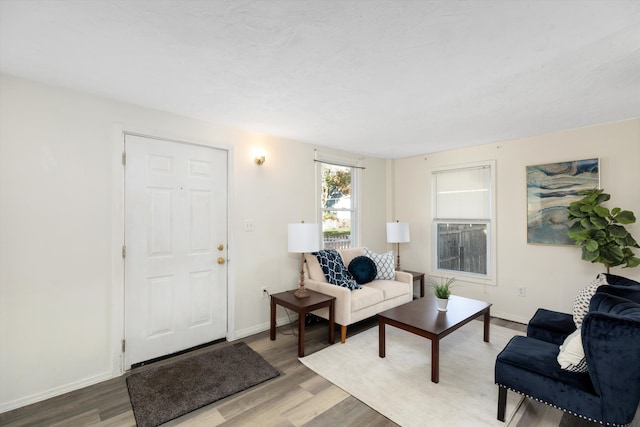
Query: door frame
[(118, 233)]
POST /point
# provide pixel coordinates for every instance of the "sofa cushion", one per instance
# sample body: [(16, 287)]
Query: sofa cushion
[(571, 356), (314, 269), (581, 303), (349, 254), (334, 270), (384, 263), (364, 297), (363, 269), (390, 288)]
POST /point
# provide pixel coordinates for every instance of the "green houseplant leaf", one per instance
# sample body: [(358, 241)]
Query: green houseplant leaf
[(600, 232), (442, 286), (625, 217)]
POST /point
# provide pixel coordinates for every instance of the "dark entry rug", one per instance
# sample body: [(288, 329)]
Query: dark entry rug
[(169, 391)]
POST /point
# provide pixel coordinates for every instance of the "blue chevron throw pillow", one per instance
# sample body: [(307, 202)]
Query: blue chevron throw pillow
[(334, 269)]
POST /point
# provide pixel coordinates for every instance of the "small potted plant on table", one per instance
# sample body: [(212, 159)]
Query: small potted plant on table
[(442, 290)]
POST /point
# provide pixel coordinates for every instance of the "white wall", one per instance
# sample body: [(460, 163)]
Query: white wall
[(59, 295), (60, 305), (552, 275)]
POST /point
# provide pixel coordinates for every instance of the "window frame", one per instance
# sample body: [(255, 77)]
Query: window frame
[(490, 277), (354, 190)]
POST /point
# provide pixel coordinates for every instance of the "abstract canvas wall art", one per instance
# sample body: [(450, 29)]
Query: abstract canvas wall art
[(550, 189)]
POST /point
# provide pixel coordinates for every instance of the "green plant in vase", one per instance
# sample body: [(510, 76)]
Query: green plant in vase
[(600, 232), (441, 289)]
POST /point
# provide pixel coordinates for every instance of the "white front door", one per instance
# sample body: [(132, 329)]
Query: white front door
[(176, 247)]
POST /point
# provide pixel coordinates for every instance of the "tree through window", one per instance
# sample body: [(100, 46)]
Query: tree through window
[(337, 201)]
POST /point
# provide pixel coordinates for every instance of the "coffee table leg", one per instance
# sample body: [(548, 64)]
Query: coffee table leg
[(487, 322), (381, 339), (301, 320), (435, 360)]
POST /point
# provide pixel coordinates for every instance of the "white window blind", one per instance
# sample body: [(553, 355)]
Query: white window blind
[(463, 193), (463, 208)]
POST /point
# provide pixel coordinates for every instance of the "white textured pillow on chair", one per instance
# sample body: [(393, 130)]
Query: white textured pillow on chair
[(571, 356), (385, 264), (583, 299)]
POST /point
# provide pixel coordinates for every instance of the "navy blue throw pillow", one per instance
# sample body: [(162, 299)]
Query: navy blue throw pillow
[(363, 269), (334, 269)]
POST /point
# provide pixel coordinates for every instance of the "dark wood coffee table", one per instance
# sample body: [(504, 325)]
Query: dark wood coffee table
[(421, 317)]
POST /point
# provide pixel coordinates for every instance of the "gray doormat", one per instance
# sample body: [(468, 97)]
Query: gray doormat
[(169, 391)]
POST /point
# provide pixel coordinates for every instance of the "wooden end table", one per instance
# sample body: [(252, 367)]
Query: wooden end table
[(417, 276), (302, 306), (421, 317)]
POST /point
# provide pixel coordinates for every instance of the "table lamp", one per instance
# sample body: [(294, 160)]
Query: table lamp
[(303, 238), (398, 232)]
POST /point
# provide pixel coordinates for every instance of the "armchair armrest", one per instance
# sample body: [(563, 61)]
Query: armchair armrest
[(550, 326)]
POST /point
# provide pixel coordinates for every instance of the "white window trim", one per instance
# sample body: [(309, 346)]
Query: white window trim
[(490, 277), (356, 166)]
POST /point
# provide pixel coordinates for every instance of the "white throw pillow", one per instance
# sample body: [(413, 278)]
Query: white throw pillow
[(571, 356), (385, 264)]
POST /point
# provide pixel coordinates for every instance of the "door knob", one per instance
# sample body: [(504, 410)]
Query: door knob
[(220, 260)]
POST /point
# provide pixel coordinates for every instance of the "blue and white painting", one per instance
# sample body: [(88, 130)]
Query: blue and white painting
[(550, 190)]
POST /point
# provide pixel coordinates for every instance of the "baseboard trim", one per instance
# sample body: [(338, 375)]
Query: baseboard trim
[(243, 333), (510, 317), (57, 391)]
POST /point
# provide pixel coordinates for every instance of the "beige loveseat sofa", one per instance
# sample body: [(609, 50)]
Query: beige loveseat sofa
[(354, 305)]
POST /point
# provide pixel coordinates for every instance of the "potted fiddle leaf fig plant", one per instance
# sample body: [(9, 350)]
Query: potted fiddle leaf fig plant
[(442, 290), (600, 232)]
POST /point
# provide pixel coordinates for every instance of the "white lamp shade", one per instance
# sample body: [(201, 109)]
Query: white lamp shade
[(304, 237), (398, 232)]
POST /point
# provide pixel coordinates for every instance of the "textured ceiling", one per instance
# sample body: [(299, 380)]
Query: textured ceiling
[(386, 78)]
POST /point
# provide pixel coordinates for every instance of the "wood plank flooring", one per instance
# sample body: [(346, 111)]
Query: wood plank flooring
[(299, 397)]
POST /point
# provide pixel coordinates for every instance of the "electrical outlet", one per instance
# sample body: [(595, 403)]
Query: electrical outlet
[(522, 291), (264, 293), (249, 225)]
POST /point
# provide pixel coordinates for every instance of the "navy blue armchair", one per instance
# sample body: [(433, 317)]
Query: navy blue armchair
[(609, 392), (554, 327)]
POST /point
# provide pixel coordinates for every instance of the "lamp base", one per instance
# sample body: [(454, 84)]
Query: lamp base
[(302, 293)]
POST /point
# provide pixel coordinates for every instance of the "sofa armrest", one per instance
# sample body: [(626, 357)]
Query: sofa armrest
[(343, 298), (403, 276)]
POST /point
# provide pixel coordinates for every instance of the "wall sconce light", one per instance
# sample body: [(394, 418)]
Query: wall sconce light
[(260, 156)]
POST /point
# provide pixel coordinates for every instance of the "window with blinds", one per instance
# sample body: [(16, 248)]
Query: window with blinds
[(463, 203)]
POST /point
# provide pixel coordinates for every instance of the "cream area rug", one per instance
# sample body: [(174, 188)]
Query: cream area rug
[(399, 386)]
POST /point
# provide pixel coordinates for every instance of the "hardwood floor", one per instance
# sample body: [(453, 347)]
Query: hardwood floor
[(299, 397)]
